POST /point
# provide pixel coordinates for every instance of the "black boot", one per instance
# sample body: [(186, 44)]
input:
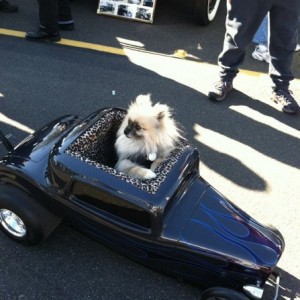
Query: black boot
[(41, 35), (66, 26)]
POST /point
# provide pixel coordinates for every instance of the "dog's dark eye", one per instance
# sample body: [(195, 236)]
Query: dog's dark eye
[(138, 127)]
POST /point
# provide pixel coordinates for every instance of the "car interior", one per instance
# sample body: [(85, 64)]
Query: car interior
[(95, 146)]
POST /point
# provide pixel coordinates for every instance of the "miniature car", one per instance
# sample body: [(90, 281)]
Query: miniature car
[(176, 223)]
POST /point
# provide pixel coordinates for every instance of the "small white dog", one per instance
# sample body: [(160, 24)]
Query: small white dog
[(146, 136)]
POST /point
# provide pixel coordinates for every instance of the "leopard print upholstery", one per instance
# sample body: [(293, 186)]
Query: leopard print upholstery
[(96, 147)]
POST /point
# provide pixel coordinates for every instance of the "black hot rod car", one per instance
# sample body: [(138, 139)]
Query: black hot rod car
[(176, 223)]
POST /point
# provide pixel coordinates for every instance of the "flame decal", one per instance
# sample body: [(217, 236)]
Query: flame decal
[(221, 229)]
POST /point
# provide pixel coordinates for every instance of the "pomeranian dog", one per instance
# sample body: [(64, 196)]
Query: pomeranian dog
[(146, 136)]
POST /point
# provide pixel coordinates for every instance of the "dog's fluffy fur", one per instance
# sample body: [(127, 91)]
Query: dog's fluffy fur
[(147, 133)]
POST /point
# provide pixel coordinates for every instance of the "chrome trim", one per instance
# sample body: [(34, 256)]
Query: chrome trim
[(254, 291), (277, 275), (12, 223)]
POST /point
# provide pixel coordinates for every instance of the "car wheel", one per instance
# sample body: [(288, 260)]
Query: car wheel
[(22, 218), (220, 293), (205, 11)]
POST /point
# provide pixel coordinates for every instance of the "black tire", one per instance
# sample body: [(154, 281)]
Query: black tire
[(22, 218), (205, 11), (220, 293)]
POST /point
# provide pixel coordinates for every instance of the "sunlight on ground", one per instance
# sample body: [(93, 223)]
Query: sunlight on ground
[(266, 120), (130, 43), (15, 124), (253, 160), (200, 75)]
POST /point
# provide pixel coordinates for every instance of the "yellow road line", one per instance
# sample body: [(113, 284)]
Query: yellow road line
[(71, 43), (91, 46), (100, 48), (11, 32)]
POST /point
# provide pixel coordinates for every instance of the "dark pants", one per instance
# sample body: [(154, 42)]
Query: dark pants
[(242, 21), (53, 12)]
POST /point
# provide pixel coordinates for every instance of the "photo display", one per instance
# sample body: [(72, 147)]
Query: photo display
[(139, 10)]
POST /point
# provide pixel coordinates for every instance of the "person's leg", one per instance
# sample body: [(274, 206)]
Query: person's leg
[(65, 19), (5, 6), (242, 21), (261, 51), (261, 36), (48, 13), (283, 40), (48, 29)]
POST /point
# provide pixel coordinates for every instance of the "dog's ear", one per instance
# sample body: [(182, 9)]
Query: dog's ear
[(144, 100), (160, 115)]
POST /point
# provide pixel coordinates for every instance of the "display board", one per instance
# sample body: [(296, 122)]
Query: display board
[(139, 10)]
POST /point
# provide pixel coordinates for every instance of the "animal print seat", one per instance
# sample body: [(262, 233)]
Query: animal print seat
[(96, 147)]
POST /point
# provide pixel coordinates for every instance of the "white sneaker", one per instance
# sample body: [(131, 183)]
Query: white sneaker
[(261, 53), (297, 48)]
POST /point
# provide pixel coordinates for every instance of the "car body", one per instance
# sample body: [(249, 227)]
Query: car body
[(143, 14), (108, 7), (137, 2), (148, 3), (176, 223), (123, 10)]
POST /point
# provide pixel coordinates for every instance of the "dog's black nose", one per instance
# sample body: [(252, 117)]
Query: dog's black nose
[(127, 132)]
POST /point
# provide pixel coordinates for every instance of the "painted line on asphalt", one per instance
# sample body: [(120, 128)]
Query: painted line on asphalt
[(71, 43), (102, 48)]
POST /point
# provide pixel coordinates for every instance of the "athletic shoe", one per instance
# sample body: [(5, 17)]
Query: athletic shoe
[(297, 48), (220, 90), (286, 100), (261, 53)]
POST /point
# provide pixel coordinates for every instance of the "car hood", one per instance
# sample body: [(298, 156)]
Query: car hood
[(218, 226)]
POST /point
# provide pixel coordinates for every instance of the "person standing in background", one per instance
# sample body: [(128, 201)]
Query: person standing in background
[(5, 6), (242, 21), (54, 15), (261, 51)]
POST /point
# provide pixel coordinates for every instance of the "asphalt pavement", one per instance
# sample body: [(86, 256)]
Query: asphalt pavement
[(249, 149)]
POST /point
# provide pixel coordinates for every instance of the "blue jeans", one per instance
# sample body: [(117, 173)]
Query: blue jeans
[(261, 35)]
